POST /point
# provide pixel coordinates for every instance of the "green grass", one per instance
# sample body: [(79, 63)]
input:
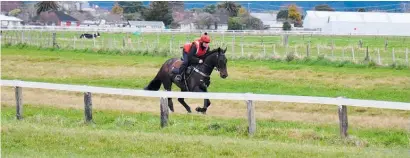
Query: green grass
[(311, 86), (53, 132)]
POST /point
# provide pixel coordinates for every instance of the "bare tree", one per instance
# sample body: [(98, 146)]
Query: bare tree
[(46, 6), (205, 20), (81, 16), (28, 12)]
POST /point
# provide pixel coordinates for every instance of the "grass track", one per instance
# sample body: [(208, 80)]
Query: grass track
[(57, 132), (272, 77), (53, 132)]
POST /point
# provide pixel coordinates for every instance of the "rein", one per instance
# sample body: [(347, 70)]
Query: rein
[(207, 75)]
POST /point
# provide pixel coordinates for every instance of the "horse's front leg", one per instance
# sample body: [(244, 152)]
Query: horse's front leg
[(207, 102)]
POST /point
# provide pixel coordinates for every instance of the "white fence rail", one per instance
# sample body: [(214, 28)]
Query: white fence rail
[(278, 31), (131, 29), (342, 102)]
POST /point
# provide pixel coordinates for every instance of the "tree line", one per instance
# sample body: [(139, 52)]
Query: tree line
[(239, 18)]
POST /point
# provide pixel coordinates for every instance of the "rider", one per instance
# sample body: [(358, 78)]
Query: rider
[(193, 53)]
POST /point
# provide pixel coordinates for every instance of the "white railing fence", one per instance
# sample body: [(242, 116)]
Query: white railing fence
[(279, 31), (163, 95), (130, 29), (392, 52)]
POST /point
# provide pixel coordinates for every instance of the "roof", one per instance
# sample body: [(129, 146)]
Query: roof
[(221, 17), (149, 23), (380, 17), (268, 19), (64, 17), (54, 16), (9, 18), (265, 16)]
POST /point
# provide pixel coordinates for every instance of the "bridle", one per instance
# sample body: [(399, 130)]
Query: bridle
[(217, 67)]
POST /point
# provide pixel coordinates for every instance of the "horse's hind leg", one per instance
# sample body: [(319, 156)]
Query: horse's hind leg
[(167, 87), (182, 101)]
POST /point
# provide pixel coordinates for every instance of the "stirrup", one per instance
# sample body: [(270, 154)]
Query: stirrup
[(178, 77)]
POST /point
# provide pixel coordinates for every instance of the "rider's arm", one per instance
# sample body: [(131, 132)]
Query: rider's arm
[(191, 55)]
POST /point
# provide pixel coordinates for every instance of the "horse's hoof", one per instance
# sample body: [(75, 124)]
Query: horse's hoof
[(198, 109)]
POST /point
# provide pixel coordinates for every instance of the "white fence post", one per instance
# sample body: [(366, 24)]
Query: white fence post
[(264, 49), (88, 112), (393, 56), (19, 102), (378, 56), (354, 60), (274, 49), (251, 118), (164, 111), (242, 46), (296, 53), (407, 56), (233, 43), (343, 122), (74, 42), (307, 50), (93, 41)]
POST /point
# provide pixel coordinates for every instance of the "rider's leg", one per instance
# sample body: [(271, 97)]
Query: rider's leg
[(184, 64)]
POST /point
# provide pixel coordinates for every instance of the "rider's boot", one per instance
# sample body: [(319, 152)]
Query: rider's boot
[(178, 77)]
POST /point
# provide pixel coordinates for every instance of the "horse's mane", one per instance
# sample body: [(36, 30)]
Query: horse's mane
[(208, 53)]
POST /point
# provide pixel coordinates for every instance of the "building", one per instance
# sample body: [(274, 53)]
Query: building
[(221, 22), (146, 24), (56, 18), (9, 21), (365, 23), (269, 20)]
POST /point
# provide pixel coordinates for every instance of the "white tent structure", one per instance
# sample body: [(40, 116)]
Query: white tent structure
[(7, 21), (359, 23)]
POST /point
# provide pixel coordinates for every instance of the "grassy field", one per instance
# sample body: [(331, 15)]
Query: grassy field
[(245, 76), (129, 126), (52, 132), (245, 46)]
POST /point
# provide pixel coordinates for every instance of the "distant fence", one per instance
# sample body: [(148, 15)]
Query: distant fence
[(279, 31), (131, 29), (163, 95), (286, 47)]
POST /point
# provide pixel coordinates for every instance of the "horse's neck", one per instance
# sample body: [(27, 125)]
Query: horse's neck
[(210, 61)]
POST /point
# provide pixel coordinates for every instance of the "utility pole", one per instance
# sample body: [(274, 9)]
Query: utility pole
[(249, 9)]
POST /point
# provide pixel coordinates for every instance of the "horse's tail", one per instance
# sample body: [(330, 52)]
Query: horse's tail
[(162, 74), (154, 85)]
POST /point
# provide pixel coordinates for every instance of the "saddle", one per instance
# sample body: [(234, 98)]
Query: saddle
[(175, 67)]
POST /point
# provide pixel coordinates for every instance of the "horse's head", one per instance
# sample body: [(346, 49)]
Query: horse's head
[(220, 61)]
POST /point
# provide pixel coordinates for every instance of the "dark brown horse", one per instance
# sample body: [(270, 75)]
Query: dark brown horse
[(196, 78)]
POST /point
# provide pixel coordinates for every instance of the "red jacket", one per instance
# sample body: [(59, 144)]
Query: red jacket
[(199, 52)]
